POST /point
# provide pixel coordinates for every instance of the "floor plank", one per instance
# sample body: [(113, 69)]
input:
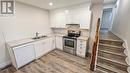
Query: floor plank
[(55, 62)]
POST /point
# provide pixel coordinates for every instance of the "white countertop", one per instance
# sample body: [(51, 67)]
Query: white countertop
[(60, 35), (83, 38), (20, 42), (24, 41), (29, 40)]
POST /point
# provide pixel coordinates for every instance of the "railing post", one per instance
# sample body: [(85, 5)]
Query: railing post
[(95, 46)]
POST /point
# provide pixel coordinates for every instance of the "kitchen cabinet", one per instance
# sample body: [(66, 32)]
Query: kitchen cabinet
[(81, 48), (72, 18), (27, 50), (59, 42), (43, 46), (21, 55), (58, 20), (85, 19)]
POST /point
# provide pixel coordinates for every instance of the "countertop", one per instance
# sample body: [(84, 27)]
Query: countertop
[(20, 42), (30, 40), (85, 38), (24, 41)]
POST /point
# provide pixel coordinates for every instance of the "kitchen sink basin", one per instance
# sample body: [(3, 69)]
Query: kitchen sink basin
[(35, 38)]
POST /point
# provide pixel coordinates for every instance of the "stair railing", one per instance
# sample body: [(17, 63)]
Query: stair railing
[(95, 47)]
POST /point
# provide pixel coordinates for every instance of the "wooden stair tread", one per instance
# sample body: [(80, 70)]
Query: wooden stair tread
[(111, 46), (113, 40), (101, 70), (109, 36), (114, 53), (110, 68), (119, 62)]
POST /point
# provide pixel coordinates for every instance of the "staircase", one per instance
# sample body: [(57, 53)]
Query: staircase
[(111, 57)]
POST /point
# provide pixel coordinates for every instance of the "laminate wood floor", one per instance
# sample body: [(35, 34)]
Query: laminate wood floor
[(54, 62), (107, 35)]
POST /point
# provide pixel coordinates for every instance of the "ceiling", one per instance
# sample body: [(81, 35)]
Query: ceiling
[(109, 1), (58, 3), (103, 1)]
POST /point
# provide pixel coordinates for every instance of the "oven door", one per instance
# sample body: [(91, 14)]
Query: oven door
[(70, 45)]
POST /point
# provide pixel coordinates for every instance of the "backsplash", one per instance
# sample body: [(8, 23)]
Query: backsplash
[(59, 31), (84, 32)]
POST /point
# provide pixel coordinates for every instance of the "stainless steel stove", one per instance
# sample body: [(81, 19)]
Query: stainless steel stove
[(70, 42)]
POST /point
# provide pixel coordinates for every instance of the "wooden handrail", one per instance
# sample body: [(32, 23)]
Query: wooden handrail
[(95, 46)]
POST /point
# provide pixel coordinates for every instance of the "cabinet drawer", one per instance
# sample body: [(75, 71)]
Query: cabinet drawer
[(81, 42), (81, 48)]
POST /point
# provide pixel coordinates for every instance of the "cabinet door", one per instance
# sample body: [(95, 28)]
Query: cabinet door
[(59, 43), (79, 48), (58, 20), (72, 18), (40, 48), (53, 43), (62, 20), (24, 54), (53, 20), (44, 46), (69, 18), (49, 44), (85, 19)]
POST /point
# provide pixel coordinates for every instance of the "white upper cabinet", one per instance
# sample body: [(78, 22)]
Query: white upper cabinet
[(58, 20), (71, 15), (72, 18), (85, 19), (80, 17)]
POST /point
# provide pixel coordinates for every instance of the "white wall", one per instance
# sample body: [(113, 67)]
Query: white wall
[(96, 13), (121, 24), (23, 24), (28, 20)]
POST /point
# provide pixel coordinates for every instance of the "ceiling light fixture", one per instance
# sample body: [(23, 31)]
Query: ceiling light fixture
[(67, 11), (51, 4)]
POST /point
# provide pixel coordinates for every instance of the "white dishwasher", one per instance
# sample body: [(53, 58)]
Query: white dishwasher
[(21, 54)]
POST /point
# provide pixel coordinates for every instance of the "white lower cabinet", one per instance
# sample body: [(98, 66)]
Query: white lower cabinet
[(43, 46), (59, 42), (81, 48), (22, 55)]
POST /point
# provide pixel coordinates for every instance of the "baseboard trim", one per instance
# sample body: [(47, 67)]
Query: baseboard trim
[(4, 64)]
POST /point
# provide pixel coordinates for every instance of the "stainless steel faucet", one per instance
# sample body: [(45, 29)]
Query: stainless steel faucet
[(37, 34)]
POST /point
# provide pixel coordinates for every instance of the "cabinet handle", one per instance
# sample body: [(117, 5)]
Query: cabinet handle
[(81, 44), (80, 47), (81, 41)]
